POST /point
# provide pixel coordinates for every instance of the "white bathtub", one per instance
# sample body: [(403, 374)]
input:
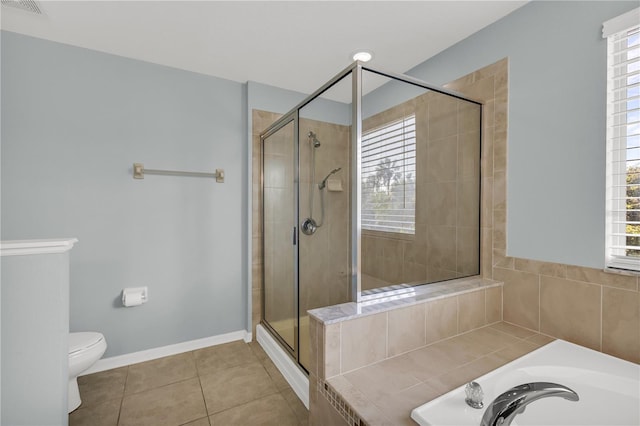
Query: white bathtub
[(608, 387)]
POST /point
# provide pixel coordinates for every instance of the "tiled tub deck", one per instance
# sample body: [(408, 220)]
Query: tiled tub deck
[(373, 366)]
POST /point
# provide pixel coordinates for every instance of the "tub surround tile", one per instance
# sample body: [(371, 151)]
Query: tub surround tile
[(406, 329), (386, 391), (471, 311), (609, 279), (621, 323), (514, 330), (521, 297), (570, 310), (362, 342), (331, 360), (442, 319), (493, 305)]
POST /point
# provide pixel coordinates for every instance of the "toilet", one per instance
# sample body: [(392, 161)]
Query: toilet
[(85, 349)]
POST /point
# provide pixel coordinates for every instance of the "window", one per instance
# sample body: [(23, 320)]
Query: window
[(623, 141), (388, 177)]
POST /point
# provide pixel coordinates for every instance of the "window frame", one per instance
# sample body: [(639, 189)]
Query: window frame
[(616, 31)]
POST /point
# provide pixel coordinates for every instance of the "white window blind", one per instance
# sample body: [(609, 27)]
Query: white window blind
[(623, 143), (388, 177)]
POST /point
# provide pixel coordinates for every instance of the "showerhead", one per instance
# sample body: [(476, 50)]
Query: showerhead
[(313, 139), (324, 181)]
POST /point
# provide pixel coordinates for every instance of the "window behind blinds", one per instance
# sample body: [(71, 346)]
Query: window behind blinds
[(388, 177), (623, 149)]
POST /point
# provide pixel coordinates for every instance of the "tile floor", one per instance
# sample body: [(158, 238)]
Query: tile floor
[(225, 385)]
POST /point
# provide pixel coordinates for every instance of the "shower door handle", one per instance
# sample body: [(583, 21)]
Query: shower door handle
[(295, 235)]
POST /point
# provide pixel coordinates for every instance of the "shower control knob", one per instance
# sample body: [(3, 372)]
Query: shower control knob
[(309, 226)]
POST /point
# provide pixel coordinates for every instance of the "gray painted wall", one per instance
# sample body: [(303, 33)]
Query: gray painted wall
[(74, 121), (557, 105)]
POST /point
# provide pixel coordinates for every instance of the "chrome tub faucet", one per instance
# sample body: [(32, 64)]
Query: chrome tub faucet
[(512, 402)]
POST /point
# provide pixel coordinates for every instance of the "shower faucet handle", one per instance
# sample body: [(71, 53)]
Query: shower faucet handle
[(475, 394)]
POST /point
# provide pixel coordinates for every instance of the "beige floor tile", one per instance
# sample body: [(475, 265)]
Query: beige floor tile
[(235, 386), (200, 422), (433, 361), (169, 405), (278, 379), (270, 410), (258, 351), (397, 406), (99, 387), (301, 412), (220, 357), (160, 372), (99, 414)]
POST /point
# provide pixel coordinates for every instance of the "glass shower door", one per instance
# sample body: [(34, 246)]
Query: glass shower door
[(279, 239)]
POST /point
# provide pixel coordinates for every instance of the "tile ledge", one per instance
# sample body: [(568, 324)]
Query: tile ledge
[(624, 272), (415, 295)]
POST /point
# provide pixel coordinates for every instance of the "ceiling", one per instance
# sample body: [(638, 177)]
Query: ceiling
[(297, 45)]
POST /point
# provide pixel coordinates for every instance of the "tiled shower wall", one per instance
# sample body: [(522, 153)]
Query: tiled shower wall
[(446, 240)]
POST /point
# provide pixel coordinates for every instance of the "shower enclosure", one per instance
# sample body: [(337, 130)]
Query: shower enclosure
[(371, 185)]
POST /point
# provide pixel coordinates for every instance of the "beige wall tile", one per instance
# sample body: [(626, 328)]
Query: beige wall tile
[(331, 365), (500, 229), (501, 260), (542, 268), (471, 311), (406, 329), (493, 301), (363, 341), (570, 310), (442, 319), (520, 296), (379, 380), (596, 276), (621, 323)]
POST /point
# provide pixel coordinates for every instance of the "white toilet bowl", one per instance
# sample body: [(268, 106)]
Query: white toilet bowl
[(84, 350)]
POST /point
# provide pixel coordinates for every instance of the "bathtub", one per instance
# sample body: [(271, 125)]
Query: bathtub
[(608, 387)]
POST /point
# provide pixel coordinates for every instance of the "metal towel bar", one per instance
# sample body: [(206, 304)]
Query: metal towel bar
[(139, 171)]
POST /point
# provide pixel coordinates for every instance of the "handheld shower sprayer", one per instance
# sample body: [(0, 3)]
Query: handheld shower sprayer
[(313, 139), (323, 184)]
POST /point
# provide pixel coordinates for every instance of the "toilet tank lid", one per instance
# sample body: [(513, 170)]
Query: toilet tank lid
[(83, 340)]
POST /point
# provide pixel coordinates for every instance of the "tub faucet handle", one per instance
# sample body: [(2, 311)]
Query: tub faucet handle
[(474, 393)]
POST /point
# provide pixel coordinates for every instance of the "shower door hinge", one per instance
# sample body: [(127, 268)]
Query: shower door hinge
[(295, 235)]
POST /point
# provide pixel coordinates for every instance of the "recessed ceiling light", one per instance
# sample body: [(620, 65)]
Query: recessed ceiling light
[(362, 56)]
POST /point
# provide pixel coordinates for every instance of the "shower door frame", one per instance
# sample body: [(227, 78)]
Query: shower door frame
[(273, 129)]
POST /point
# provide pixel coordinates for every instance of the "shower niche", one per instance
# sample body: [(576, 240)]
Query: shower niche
[(371, 186)]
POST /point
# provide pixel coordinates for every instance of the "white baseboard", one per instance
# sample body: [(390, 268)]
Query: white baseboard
[(155, 353), (296, 378)]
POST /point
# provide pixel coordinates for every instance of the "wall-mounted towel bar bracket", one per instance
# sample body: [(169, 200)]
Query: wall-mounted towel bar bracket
[(139, 171)]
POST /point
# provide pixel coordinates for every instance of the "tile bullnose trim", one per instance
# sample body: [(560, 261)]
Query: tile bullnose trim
[(420, 294)]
